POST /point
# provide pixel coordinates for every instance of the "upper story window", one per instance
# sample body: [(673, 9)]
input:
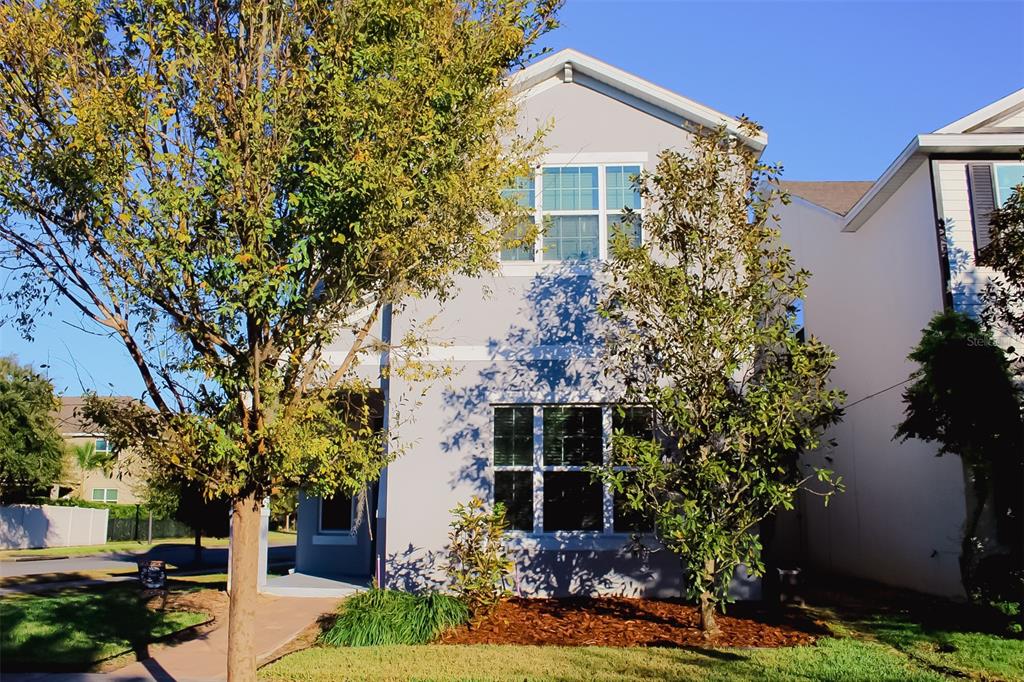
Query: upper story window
[(580, 210), (1008, 176)]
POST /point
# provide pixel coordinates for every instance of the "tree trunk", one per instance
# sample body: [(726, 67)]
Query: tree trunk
[(245, 544), (708, 624), (968, 552), (197, 548)]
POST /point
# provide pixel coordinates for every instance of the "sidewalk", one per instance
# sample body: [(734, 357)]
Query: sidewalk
[(280, 619)]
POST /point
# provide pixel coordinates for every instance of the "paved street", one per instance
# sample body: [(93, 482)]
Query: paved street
[(179, 555)]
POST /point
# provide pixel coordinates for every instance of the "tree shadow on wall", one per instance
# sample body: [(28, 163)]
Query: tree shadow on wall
[(549, 353)]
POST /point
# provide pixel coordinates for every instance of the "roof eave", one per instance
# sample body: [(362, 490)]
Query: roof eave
[(914, 154), (984, 115)]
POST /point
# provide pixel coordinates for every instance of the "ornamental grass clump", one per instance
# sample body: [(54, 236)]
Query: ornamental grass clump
[(380, 617)]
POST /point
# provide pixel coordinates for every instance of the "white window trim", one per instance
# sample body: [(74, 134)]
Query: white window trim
[(117, 494), (322, 534), (582, 160), (604, 540)]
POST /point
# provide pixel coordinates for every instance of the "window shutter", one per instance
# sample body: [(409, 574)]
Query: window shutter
[(983, 201)]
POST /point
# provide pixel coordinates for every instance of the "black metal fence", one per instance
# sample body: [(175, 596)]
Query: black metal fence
[(138, 528)]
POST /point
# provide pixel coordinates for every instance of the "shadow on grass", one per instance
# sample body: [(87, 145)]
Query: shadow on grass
[(949, 638), (75, 629)]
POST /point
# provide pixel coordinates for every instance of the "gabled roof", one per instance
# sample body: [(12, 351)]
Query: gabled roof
[(837, 196), (70, 421), (986, 116), (566, 63), (990, 130)]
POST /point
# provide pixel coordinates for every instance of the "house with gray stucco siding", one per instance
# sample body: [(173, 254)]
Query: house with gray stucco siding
[(527, 406)]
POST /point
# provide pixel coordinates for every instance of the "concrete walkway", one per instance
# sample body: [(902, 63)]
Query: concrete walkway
[(280, 620)]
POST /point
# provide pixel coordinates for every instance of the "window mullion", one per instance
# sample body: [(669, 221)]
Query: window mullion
[(606, 442), (538, 215), (538, 470), (602, 217)]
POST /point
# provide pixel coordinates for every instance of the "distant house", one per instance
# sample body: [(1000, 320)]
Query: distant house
[(527, 408), (886, 256), (120, 486)]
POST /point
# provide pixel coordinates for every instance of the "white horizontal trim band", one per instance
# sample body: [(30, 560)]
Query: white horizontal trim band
[(490, 353), (601, 158), (335, 539)]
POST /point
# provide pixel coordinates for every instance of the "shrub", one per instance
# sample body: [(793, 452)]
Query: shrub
[(379, 617), (999, 588), (478, 564), (117, 511)]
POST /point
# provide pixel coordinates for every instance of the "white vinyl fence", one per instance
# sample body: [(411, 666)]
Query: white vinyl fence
[(24, 526)]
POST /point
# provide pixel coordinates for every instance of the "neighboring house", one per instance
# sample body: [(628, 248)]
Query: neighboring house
[(527, 407), (886, 256), (120, 486)]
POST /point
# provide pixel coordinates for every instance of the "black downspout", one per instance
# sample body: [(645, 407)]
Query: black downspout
[(942, 241)]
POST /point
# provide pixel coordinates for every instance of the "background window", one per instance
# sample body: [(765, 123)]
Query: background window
[(571, 238), (1008, 176), (570, 189), (102, 445), (620, 192), (336, 513), (104, 494)]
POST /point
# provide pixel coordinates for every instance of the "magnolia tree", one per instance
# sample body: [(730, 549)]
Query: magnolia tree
[(702, 333), (964, 398), (233, 189)]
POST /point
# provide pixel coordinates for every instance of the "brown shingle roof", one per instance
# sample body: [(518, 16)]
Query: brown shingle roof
[(69, 420), (837, 196)]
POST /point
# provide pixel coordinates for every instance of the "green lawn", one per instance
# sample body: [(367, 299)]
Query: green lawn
[(831, 659), (276, 537), (74, 629), (890, 648)]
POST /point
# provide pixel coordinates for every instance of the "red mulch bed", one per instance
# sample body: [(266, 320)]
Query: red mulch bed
[(622, 622)]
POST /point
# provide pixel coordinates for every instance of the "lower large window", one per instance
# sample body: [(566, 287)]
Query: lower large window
[(540, 456)]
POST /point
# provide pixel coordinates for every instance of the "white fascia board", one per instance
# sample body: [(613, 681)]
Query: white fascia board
[(898, 171), (985, 143), (993, 111), (914, 154), (552, 66)]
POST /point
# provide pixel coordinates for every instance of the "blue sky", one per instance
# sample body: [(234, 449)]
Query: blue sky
[(841, 87)]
